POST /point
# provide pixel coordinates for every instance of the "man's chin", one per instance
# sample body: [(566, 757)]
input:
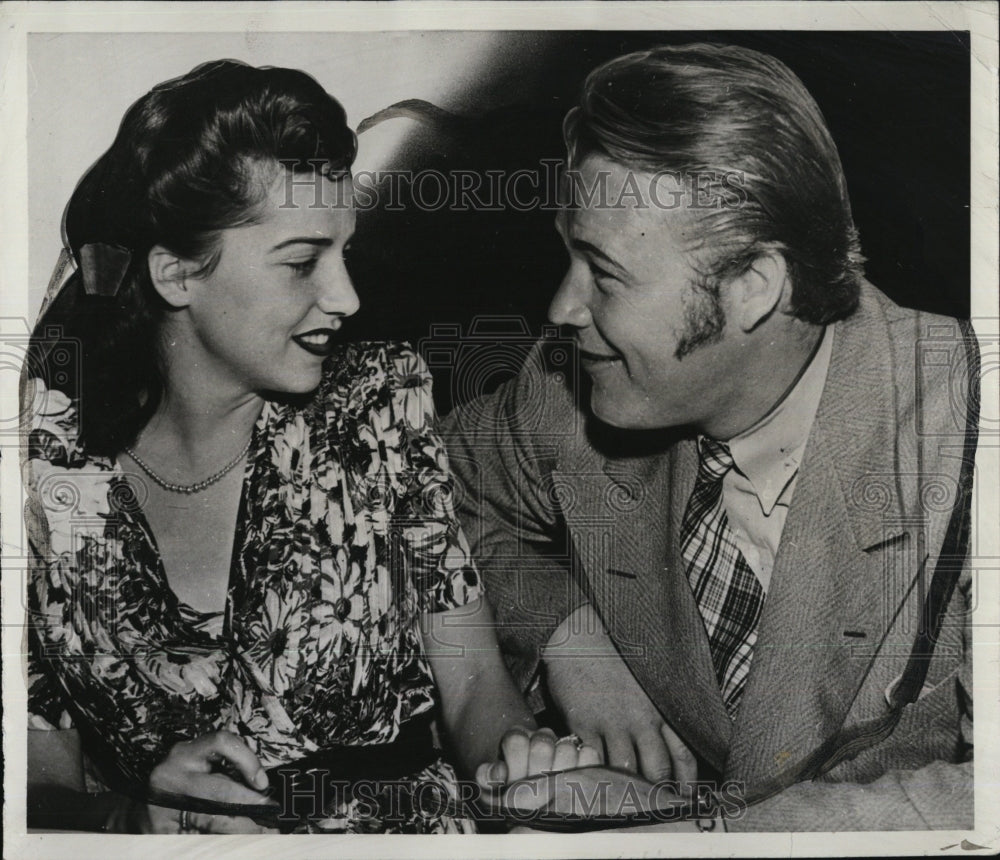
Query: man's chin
[(628, 413), (612, 411)]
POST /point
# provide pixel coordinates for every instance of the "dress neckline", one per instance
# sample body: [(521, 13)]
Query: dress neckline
[(212, 624)]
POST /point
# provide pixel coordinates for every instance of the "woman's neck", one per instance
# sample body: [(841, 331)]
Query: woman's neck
[(193, 430), (203, 417)]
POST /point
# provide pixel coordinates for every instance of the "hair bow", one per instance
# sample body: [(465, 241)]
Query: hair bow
[(103, 268)]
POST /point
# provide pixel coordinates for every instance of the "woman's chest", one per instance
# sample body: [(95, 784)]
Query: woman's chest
[(194, 536)]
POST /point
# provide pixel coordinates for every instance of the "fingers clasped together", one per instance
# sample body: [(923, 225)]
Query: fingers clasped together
[(525, 753)]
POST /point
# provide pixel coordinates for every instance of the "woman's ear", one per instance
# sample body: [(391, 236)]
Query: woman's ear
[(759, 291), (169, 274)]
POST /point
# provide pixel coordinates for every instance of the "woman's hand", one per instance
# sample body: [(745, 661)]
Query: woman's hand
[(526, 753), (216, 766)]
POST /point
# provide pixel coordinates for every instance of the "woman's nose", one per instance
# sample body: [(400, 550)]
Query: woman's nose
[(337, 295), (570, 303)]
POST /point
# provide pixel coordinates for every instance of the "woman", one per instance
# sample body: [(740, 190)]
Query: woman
[(245, 548)]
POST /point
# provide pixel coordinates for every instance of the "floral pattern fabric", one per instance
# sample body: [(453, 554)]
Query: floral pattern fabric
[(346, 535)]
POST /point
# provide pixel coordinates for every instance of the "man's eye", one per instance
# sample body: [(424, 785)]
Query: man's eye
[(600, 273), (304, 267)]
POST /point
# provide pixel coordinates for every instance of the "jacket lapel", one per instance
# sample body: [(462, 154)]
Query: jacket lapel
[(842, 567), (625, 535)]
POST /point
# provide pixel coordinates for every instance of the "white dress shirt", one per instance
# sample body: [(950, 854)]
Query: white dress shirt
[(756, 493)]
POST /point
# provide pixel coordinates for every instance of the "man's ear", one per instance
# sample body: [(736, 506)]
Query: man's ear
[(170, 274), (759, 291)]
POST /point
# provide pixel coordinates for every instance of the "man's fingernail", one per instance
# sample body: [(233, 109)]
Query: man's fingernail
[(260, 779)]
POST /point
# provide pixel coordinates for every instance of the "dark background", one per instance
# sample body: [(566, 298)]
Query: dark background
[(897, 105)]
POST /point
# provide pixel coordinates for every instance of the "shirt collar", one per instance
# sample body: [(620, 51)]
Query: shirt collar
[(769, 453)]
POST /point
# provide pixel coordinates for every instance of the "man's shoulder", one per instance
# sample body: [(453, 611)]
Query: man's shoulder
[(904, 327), (924, 351), (544, 402), (919, 367)]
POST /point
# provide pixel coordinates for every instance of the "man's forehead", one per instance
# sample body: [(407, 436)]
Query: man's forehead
[(599, 182), (658, 209)]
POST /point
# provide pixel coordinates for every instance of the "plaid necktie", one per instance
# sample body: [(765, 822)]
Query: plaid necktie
[(726, 590)]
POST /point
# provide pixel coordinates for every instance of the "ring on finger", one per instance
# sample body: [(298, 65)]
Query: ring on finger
[(184, 822), (574, 739)]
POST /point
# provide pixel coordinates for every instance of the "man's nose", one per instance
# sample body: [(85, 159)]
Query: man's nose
[(570, 304), (337, 295)]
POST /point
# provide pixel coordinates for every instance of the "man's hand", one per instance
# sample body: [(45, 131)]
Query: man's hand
[(603, 703)]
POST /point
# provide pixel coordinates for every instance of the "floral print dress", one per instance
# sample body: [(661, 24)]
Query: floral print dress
[(346, 535)]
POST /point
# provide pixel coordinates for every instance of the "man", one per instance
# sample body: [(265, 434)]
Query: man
[(756, 499)]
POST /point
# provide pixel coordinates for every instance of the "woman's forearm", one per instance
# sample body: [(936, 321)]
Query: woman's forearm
[(478, 725), (479, 699)]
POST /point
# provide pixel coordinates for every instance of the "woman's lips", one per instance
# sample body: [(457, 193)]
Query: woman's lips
[(318, 342)]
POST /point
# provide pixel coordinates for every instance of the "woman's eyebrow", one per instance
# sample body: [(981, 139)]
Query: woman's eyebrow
[(303, 240)]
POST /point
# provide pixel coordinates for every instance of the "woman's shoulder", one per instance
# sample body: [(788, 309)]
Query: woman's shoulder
[(51, 418), (367, 374), (372, 356)]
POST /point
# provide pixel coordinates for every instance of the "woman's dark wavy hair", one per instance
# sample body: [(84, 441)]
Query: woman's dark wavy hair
[(183, 167), (744, 126)]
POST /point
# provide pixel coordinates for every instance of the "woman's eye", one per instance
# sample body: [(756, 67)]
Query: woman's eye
[(303, 268)]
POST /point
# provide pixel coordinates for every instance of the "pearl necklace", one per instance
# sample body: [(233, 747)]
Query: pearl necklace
[(189, 489)]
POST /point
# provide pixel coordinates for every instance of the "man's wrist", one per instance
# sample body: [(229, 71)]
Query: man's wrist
[(581, 619)]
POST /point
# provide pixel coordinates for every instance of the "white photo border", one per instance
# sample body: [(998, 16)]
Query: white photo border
[(18, 20)]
